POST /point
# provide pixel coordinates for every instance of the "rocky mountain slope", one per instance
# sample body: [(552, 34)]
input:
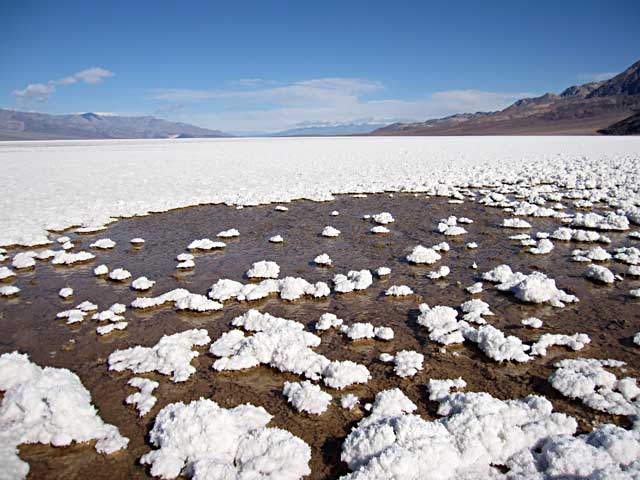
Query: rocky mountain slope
[(15, 125), (580, 109)]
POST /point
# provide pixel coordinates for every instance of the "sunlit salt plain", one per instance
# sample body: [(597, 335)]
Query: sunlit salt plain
[(479, 257)]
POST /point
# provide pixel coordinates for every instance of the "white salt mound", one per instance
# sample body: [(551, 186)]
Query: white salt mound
[(103, 243), (398, 291), (329, 231), (264, 269), (323, 259), (204, 441), (172, 355), (142, 283), (306, 397), (65, 292), (232, 232), (143, 400), (49, 406)]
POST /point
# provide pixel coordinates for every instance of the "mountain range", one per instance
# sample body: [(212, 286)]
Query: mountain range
[(597, 107), (16, 125)]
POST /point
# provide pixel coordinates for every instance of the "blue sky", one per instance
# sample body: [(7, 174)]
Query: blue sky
[(266, 66)]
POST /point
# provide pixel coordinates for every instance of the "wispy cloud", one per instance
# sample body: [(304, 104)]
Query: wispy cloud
[(596, 77), (40, 92), (323, 100)]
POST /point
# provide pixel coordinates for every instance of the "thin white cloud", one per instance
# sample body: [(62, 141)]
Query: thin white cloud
[(596, 77), (40, 92), (325, 100)]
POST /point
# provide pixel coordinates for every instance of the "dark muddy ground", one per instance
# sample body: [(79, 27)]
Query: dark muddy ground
[(606, 313)]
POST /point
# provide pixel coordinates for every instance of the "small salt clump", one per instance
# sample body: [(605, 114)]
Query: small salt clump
[(103, 243), (329, 231), (532, 322), (276, 239), (323, 259), (306, 397), (232, 232), (65, 292)]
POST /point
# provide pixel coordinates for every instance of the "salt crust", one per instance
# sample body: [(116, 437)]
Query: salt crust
[(353, 280), (349, 401), (276, 239), (320, 167), (533, 288), (143, 399), (289, 288), (323, 259), (232, 232), (46, 405), (100, 270), (137, 241), (407, 363), (383, 218), (103, 243), (329, 231), (398, 291), (65, 258), (362, 330), (264, 269), (383, 271), (65, 292), (439, 273), (306, 397), (142, 283), (423, 255), (449, 226), (327, 321), (587, 380), (204, 441), (205, 244), (284, 345), (106, 329), (8, 290), (183, 300), (119, 275), (515, 223), (172, 355), (379, 229), (6, 272), (532, 322), (481, 437), (599, 273)]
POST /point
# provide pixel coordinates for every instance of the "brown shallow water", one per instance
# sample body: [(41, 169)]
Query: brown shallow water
[(606, 313)]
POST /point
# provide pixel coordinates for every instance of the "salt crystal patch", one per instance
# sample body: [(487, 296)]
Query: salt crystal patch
[(441, 272), (65, 258), (532, 322), (8, 290), (323, 259), (515, 223), (330, 231), (423, 255), (380, 229), (398, 291), (106, 329), (142, 283), (383, 218), (232, 232), (306, 397), (349, 401), (137, 241), (205, 244), (119, 274), (100, 270), (383, 271), (65, 292), (264, 269), (327, 321), (36, 408), (407, 363), (276, 239), (6, 272), (353, 280), (143, 400), (103, 243), (23, 260), (600, 274)]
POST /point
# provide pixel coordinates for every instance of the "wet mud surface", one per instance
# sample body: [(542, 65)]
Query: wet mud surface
[(28, 324)]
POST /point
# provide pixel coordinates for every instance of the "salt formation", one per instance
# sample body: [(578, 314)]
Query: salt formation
[(5, 273), (329, 231), (354, 280), (334, 213), (543, 246), (611, 221), (379, 229), (197, 303), (398, 291), (205, 244), (64, 258), (383, 271), (327, 321), (103, 243), (106, 329), (449, 227), (323, 259), (100, 270), (284, 345), (515, 223), (9, 290), (476, 436), (232, 232), (442, 324), (65, 292), (383, 218), (532, 322), (23, 260), (628, 255), (281, 208), (349, 401), (172, 355), (474, 310), (119, 275), (362, 330), (533, 288), (185, 257), (264, 269), (72, 316), (113, 314), (595, 254), (289, 288), (587, 380), (441, 272), (142, 283), (574, 342), (423, 255), (472, 245), (407, 363), (276, 239), (143, 399), (601, 274), (475, 288), (204, 441), (137, 242), (49, 406), (568, 234), (306, 397)]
